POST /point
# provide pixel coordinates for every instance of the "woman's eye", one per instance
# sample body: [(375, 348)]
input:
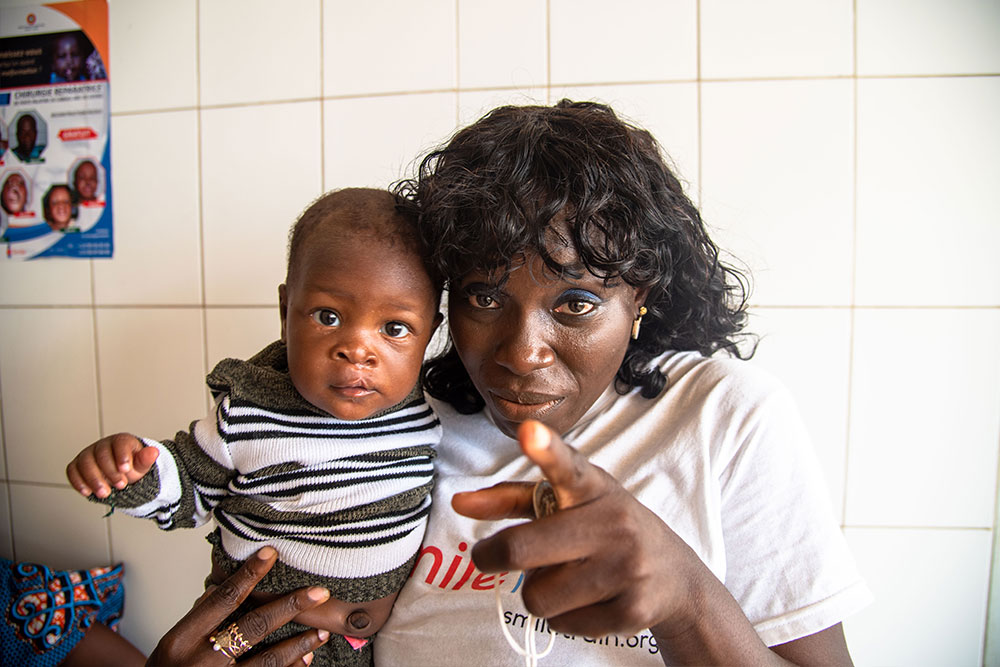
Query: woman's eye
[(396, 330), (326, 318), (483, 301), (576, 308)]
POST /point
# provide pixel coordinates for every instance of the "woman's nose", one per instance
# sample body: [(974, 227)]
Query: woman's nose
[(522, 344)]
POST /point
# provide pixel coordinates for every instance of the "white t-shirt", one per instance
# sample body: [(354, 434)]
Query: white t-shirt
[(721, 456)]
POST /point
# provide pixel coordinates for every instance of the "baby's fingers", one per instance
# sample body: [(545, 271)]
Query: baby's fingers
[(142, 462), (86, 474), (110, 463), (74, 477)]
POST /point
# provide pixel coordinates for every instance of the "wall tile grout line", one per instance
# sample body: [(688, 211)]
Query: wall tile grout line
[(548, 51), (9, 518), (550, 84), (199, 155), (854, 265), (698, 103), (322, 104)]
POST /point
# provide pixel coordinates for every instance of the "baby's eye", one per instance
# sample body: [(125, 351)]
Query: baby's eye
[(396, 330), (483, 301), (326, 317), (576, 307)]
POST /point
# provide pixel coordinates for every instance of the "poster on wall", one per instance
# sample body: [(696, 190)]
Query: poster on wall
[(55, 144)]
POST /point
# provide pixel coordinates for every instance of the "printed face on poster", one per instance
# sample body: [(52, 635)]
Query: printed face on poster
[(55, 143)]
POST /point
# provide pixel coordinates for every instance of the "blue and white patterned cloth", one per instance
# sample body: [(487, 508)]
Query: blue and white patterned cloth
[(47, 612)]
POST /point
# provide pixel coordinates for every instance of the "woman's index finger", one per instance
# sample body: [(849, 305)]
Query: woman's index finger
[(574, 479), (213, 608)]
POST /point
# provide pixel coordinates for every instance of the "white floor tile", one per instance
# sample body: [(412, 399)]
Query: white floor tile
[(240, 332), (153, 54), (6, 532), (380, 46), (808, 349), (777, 164), (928, 37), (377, 140), (157, 242), (927, 204), (488, 29), (924, 428), (260, 170), (58, 527), (258, 50), (3, 455), (49, 390), (166, 566), (776, 38), (45, 282), (152, 365), (592, 41), (930, 597)]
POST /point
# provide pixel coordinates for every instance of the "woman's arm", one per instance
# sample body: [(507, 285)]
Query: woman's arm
[(604, 563)]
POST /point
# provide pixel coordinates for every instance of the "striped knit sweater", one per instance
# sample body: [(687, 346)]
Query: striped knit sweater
[(344, 503)]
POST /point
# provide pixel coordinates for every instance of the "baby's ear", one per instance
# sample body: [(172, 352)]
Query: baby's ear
[(283, 307)]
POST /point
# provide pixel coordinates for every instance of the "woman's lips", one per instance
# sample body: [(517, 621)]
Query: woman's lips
[(521, 406)]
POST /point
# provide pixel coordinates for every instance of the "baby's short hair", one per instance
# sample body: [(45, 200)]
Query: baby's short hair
[(368, 210)]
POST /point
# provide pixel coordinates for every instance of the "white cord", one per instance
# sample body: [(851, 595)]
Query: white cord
[(530, 649)]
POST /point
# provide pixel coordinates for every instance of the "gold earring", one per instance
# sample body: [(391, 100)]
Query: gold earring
[(637, 321)]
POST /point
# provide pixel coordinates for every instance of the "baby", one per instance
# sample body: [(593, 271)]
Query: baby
[(321, 445), (67, 59)]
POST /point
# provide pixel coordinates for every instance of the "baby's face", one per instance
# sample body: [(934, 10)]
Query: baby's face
[(15, 194), (357, 318), (85, 181), (68, 61)]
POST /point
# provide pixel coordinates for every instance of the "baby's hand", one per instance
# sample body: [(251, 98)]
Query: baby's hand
[(117, 460)]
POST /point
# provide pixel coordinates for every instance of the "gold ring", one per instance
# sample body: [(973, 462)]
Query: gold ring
[(231, 642)]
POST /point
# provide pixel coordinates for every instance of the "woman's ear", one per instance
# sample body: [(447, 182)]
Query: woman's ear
[(641, 295), (283, 307)]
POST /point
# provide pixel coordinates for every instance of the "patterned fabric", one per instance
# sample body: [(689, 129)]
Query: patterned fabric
[(47, 612)]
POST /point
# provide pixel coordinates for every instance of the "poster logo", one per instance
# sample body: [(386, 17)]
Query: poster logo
[(30, 18)]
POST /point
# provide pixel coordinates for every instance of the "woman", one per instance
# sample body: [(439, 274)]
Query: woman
[(584, 293), (584, 299), (57, 207)]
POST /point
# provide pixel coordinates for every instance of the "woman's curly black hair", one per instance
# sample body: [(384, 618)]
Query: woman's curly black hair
[(493, 191)]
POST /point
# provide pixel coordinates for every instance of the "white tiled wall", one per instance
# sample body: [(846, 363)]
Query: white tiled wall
[(846, 150)]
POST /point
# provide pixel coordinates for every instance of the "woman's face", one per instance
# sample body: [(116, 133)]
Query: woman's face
[(60, 208), (541, 346), (15, 194)]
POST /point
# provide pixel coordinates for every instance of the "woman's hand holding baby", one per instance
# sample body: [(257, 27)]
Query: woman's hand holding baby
[(112, 462), (603, 563)]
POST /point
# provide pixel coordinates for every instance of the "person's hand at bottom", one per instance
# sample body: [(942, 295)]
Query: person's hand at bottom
[(189, 642)]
